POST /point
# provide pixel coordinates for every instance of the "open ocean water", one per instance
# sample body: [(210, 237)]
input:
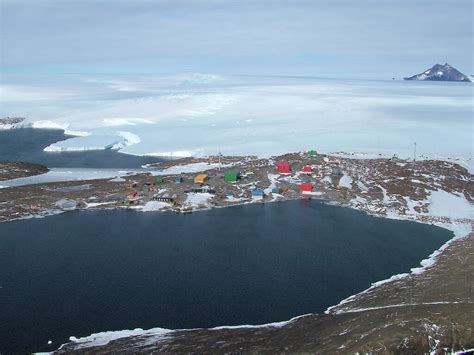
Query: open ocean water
[(27, 144)]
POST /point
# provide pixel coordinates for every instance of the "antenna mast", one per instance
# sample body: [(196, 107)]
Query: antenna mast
[(414, 152)]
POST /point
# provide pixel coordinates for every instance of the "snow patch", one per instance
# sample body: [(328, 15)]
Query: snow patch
[(196, 200), (445, 204), (188, 168), (155, 206), (103, 338), (346, 181), (97, 204)]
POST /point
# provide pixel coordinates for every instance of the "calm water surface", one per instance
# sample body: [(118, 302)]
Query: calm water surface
[(27, 144), (90, 271)]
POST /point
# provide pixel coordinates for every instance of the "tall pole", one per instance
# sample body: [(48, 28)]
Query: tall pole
[(414, 152), (378, 145)]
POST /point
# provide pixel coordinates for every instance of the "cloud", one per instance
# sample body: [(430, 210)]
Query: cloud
[(277, 37)]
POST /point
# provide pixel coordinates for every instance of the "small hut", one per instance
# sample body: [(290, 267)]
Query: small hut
[(232, 176), (201, 178), (283, 167), (258, 194), (307, 169), (178, 180), (306, 187)]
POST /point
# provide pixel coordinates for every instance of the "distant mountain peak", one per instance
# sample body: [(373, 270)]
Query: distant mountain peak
[(439, 72)]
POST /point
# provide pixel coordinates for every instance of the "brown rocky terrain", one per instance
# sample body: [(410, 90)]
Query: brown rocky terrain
[(15, 170)]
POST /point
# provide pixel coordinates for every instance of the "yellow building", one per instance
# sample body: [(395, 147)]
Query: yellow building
[(200, 179)]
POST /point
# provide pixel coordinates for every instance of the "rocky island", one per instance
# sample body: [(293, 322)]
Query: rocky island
[(15, 170), (440, 72)]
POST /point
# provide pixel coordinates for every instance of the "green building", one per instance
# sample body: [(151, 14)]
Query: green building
[(231, 176), (312, 153), (159, 181)]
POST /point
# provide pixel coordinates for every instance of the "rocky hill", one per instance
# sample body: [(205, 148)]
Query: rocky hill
[(441, 73)]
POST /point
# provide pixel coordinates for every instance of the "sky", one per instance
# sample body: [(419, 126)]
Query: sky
[(322, 38)]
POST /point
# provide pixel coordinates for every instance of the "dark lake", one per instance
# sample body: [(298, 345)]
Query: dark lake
[(90, 271), (27, 144)]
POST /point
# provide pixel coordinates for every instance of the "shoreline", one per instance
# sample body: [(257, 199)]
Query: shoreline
[(466, 161), (366, 192), (159, 336)]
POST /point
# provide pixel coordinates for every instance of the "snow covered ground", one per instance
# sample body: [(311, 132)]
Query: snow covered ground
[(196, 114), (446, 204), (152, 206), (156, 334), (198, 200)]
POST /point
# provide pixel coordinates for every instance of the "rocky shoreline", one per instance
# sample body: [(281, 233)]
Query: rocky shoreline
[(393, 188), (15, 170)]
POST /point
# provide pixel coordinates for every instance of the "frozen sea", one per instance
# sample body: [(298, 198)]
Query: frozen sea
[(202, 114)]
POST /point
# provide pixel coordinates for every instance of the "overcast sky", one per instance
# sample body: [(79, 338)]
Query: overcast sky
[(333, 38)]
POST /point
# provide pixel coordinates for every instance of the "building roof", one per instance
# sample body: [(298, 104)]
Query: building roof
[(231, 175)]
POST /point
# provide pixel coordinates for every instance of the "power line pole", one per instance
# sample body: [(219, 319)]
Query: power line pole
[(414, 152), (220, 155)]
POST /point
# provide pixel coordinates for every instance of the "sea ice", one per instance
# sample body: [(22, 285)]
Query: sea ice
[(199, 115)]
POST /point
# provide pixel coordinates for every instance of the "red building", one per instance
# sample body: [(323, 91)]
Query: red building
[(283, 167), (307, 169), (333, 160), (306, 187)]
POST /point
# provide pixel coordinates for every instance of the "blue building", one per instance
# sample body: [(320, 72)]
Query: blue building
[(258, 194)]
